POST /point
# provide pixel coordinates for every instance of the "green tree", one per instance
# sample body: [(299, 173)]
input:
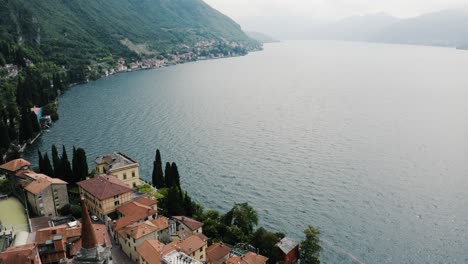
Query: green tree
[(34, 122), (58, 172), (66, 167), (265, 241), (310, 247), (174, 202), (168, 175), (26, 129), (175, 174), (80, 165), (47, 166), (242, 215), (158, 177)]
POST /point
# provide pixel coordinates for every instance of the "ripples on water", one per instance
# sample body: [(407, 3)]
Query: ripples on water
[(366, 141)]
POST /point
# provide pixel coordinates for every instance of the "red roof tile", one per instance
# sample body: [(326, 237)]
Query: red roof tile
[(104, 187), (15, 165), (150, 251), (216, 253), (189, 222), (20, 254), (248, 258), (133, 212)]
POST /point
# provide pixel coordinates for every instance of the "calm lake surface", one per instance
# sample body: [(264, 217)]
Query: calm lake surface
[(366, 141)]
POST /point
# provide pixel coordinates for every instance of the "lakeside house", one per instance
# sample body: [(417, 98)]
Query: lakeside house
[(287, 250), (104, 193), (248, 258), (121, 166)]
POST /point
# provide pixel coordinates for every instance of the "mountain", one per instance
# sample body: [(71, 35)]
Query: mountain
[(444, 28), (260, 37), (83, 31)]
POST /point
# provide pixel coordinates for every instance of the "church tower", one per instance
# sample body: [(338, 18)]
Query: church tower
[(91, 252)]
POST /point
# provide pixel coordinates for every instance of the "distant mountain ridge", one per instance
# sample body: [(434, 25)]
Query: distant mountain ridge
[(443, 28), (261, 37)]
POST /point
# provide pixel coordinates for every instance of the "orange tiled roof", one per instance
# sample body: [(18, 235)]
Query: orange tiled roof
[(161, 222), (139, 230), (248, 258), (188, 245), (150, 251), (19, 254), (104, 187), (15, 165), (215, 253), (133, 212), (189, 222), (146, 201), (40, 182)]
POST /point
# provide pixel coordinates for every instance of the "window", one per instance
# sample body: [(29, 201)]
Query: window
[(134, 184), (125, 176), (116, 196), (116, 203), (133, 174)]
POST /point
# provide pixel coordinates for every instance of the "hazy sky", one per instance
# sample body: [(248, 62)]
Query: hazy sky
[(331, 9)]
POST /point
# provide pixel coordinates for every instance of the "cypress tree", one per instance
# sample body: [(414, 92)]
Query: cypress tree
[(47, 167), (56, 162), (158, 176), (34, 123), (168, 176), (174, 203), (41, 162), (175, 175), (80, 166), (66, 167)]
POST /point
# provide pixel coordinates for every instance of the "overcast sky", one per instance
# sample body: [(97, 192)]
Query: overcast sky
[(331, 9)]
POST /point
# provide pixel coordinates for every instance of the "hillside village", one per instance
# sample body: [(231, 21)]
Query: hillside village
[(119, 223)]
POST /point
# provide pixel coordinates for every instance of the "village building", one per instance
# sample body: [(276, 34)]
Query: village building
[(248, 258), (121, 166), (134, 235), (183, 223), (288, 250), (136, 211), (21, 254), (63, 242), (218, 253), (46, 195), (14, 168), (104, 193), (191, 249)]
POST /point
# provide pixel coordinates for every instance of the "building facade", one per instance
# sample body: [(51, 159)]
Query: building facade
[(121, 166), (46, 195), (104, 193)]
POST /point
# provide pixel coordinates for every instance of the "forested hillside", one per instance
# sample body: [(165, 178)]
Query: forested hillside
[(46, 46)]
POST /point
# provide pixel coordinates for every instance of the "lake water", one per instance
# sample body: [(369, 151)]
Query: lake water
[(366, 141)]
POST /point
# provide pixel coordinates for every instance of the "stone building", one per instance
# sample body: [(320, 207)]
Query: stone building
[(121, 166)]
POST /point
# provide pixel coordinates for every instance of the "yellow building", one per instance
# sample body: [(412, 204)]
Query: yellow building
[(121, 166), (104, 193)]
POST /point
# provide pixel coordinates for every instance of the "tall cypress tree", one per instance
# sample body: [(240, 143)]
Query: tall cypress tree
[(56, 162), (80, 166), (158, 176), (47, 167), (4, 136), (168, 175), (26, 129), (175, 175), (41, 162), (34, 122), (66, 167)]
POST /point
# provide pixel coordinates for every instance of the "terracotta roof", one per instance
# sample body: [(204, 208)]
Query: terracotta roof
[(15, 165), (104, 187), (133, 212), (40, 182), (138, 230), (19, 254), (150, 251), (161, 223), (188, 245), (189, 222), (146, 201), (215, 253), (248, 258)]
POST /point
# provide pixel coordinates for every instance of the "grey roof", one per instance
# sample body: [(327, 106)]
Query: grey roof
[(115, 160), (287, 244)]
